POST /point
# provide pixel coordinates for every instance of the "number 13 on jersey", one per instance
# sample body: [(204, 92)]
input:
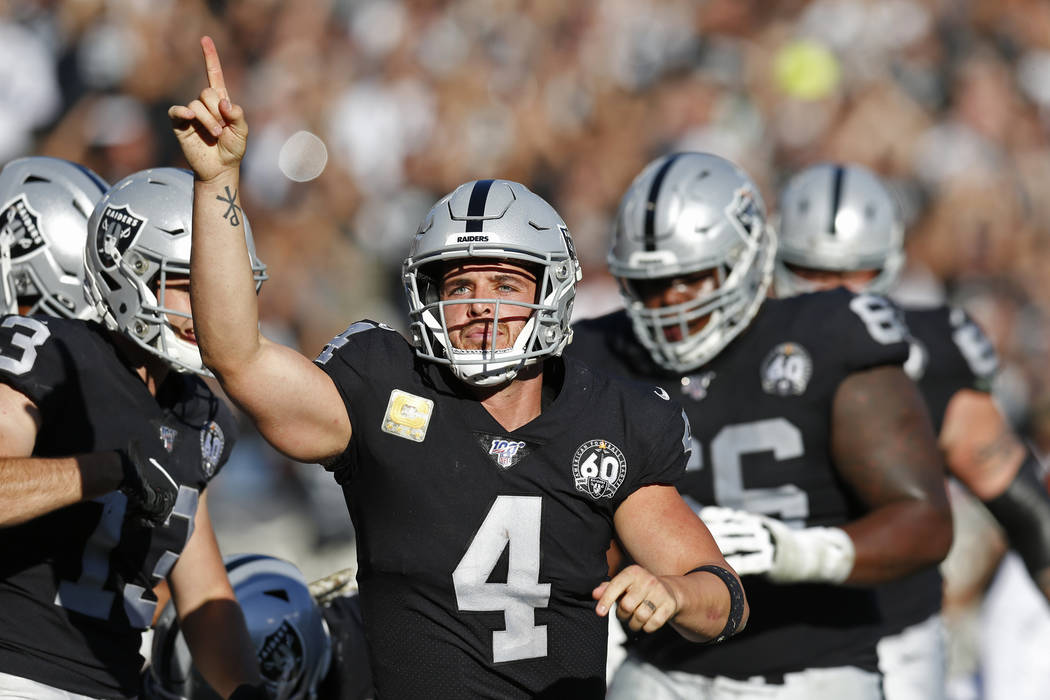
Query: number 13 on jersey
[(514, 522)]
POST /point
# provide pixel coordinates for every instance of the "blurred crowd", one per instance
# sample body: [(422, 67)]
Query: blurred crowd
[(947, 99)]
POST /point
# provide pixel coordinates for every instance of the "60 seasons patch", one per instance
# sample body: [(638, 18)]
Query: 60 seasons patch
[(407, 415), (598, 468), (786, 371)]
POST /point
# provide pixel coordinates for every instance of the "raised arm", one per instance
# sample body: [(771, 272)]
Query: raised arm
[(294, 404)]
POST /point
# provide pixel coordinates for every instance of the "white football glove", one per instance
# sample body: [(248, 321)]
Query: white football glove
[(757, 544)]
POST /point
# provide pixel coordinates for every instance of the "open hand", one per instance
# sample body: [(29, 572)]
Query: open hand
[(641, 598), (211, 130)]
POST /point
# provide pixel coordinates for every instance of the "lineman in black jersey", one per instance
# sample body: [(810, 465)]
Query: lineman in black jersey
[(106, 456), (808, 436), (841, 227), (484, 475)]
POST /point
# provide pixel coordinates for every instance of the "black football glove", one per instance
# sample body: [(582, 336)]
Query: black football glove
[(150, 489)]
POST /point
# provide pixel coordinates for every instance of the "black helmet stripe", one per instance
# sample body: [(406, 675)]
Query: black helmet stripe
[(650, 206), (476, 206), (837, 176)]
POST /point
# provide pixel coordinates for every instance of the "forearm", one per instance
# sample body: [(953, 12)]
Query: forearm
[(35, 486), (898, 539), (219, 642), (1022, 508), (706, 605), (225, 307)]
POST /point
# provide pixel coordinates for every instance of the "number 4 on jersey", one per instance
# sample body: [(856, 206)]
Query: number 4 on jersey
[(514, 522)]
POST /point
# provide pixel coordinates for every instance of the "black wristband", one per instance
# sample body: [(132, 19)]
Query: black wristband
[(736, 600), (1023, 510)]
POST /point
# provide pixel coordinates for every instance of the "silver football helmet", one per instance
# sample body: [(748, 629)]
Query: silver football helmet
[(687, 213), (44, 208), (138, 235), (839, 218), (500, 220), (286, 625)]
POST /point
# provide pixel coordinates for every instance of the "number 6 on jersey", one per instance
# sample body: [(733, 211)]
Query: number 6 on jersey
[(512, 521)]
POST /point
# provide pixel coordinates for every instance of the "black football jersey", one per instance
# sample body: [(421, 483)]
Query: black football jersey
[(76, 584), (760, 413), (949, 352), (479, 547), (349, 674)]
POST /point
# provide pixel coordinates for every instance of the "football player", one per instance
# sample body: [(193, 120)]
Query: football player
[(109, 440), (809, 438), (840, 226), (484, 475), (310, 644), (44, 208)]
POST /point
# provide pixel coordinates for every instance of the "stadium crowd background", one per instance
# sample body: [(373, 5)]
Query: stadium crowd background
[(948, 99)]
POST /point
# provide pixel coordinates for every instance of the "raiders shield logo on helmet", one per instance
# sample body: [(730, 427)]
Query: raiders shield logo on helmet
[(120, 226), (281, 654), (19, 225)]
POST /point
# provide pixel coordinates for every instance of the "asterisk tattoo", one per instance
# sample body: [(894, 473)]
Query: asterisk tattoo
[(232, 210)]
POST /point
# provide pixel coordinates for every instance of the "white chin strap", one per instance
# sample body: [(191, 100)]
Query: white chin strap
[(490, 367), (183, 356)]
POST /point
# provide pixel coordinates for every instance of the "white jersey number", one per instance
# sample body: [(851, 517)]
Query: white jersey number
[(88, 595), (514, 522), (28, 335), (880, 317), (777, 435)]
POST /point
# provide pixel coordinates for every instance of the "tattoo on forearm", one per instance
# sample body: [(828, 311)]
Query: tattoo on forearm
[(1002, 447), (233, 211)]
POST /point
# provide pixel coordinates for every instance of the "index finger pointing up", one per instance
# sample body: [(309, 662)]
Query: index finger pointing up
[(214, 68)]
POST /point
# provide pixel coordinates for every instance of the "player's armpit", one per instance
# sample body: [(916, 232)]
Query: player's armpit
[(884, 449), (981, 449), (295, 405)]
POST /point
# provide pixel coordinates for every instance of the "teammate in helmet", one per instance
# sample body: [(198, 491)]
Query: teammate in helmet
[(840, 226), (108, 443), (814, 445), (484, 475), (44, 207), (310, 645)]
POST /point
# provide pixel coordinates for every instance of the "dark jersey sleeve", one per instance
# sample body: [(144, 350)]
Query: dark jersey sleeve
[(658, 438), (975, 348), (354, 359), (31, 357)]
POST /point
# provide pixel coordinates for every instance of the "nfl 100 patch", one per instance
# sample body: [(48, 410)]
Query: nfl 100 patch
[(212, 444), (407, 415), (786, 371), (504, 451), (598, 468)]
